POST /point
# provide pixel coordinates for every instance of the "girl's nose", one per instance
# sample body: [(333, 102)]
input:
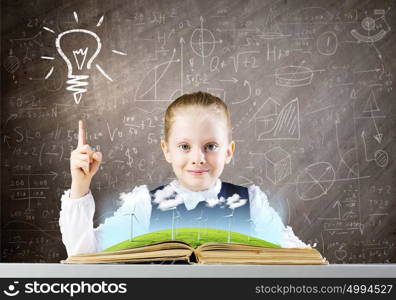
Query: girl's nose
[(198, 157)]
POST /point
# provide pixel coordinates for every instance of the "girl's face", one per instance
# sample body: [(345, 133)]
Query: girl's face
[(198, 147)]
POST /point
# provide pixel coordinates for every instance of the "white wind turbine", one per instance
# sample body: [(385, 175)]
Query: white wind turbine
[(200, 219), (177, 217), (132, 214), (230, 216), (173, 221)]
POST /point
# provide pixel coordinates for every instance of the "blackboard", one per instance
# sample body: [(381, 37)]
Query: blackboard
[(309, 85)]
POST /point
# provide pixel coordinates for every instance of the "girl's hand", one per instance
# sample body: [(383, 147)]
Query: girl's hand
[(84, 163)]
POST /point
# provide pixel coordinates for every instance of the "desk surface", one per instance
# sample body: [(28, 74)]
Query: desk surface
[(28, 270)]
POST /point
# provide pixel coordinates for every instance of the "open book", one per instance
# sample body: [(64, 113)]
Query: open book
[(202, 246)]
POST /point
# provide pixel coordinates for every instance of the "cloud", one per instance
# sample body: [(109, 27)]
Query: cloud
[(213, 202), (163, 194), (237, 204), (234, 201), (169, 204)]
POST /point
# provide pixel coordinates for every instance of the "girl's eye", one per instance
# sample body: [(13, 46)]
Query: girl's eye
[(212, 147), (184, 147)]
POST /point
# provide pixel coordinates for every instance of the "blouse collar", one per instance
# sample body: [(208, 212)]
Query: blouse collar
[(192, 198)]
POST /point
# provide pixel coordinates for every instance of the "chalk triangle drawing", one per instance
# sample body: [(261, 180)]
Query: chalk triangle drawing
[(270, 24), (371, 104), (272, 30)]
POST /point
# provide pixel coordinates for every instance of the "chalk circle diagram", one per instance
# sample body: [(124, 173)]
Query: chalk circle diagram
[(372, 29), (381, 158), (293, 76), (203, 41), (315, 181), (327, 43)]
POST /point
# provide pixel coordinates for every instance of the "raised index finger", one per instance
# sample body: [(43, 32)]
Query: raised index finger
[(81, 133)]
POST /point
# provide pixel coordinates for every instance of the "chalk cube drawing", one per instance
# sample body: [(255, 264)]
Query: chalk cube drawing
[(278, 164)]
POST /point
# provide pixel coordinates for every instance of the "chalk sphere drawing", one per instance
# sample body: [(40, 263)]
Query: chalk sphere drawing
[(381, 158), (315, 181)]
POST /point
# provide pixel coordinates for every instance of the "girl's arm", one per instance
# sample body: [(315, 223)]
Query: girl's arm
[(76, 224), (76, 221), (78, 206)]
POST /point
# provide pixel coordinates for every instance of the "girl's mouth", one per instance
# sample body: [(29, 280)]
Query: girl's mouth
[(197, 172)]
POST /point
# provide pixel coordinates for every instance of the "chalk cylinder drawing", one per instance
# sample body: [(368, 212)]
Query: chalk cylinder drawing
[(293, 76)]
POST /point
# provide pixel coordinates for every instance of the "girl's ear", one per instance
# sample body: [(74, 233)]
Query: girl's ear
[(165, 149), (230, 151)]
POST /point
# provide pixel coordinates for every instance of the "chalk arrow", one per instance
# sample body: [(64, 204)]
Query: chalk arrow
[(378, 137), (234, 80)]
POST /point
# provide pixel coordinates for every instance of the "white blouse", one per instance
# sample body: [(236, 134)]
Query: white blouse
[(79, 235)]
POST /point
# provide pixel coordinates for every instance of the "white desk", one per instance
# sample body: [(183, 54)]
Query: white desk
[(29, 270)]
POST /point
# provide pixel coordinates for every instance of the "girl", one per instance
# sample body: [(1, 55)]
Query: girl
[(198, 144)]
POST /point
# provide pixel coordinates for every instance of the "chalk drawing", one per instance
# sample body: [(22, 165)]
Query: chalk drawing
[(327, 43), (278, 164), (315, 181), (374, 28), (78, 59), (203, 42), (273, 125), (293, 76), (272, 31)]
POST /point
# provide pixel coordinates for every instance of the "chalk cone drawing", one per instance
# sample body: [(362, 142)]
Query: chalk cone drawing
[(273, 125), (371, 108), (315, 181), (293, 76), (272, 30), (371, 104), (78, 56), (277, 164), (373, 28)]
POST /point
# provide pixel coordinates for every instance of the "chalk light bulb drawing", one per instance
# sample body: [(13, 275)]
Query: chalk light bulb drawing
[(75, 60)]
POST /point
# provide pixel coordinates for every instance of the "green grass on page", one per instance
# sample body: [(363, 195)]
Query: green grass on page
[(190, 236)]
